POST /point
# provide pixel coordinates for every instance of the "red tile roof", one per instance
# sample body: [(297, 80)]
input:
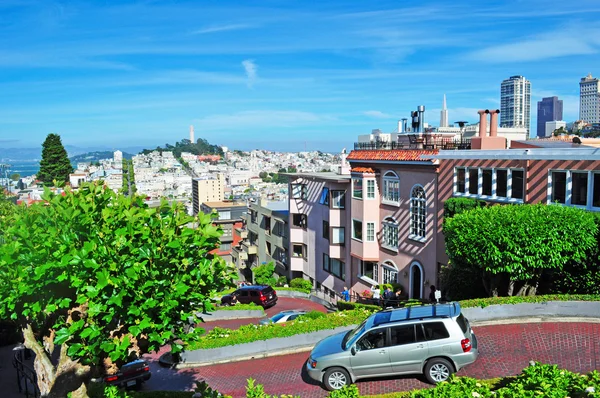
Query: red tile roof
[(393, 155), (363, 170)]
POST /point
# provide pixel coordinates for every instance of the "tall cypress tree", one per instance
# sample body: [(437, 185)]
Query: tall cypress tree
[(55, 164)]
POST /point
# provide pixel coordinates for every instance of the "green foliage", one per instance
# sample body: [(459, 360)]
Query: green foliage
[(263, 274), (115, 392), (109, 275), (349, 306), (8, 210), (238, 307), (312, 315), (348, 391), (200, 147), (282, 280), (455, 387), (257, 391), (302, 284), (517, 243), (461, 283), (15, 176), (221, 337), (55, 164), (454, 206), (484, 302), (94, 157)]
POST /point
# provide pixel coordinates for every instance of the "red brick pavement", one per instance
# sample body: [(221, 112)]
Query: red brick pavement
[(505, 350)]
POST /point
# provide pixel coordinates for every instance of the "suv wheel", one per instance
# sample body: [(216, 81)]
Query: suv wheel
[(438, 370), (336, 378)]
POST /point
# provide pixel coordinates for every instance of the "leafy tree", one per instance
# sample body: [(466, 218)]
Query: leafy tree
[(454, 206), (107, 279), (263, 274), (292, 169), (15, 176), (55, 164), (513, 246), (7, 214)]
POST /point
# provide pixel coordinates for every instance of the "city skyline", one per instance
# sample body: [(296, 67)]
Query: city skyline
[(281, 77)]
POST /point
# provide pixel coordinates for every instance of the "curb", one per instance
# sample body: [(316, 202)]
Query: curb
[(543, 319)]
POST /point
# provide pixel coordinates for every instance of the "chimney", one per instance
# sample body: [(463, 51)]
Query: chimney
[(421, 111), (404, 125), (494, 123), (400, 126), (482, 123)]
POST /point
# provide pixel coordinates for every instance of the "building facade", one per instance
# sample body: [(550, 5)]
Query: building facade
[(589, 99), (548, 110), (263, 238), (551, 126), (515, 103), (228, 218), (207, 189)]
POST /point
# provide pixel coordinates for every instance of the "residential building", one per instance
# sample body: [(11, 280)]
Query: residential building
[(551, 126), (515, 102), (228, 217), (264, 238), (548, 110), (589, 99), (209, 188)]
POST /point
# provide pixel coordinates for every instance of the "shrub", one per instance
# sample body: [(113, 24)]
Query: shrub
[(349, 306), (348, 391), (301, 283), (454, 206), (263, 274), (236, 307), (282, 280), (312, 315), (484, 302), (461, 283), (455, 387)]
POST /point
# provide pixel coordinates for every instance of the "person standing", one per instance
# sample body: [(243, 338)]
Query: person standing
[(376, 292), (346, 294), (387, 296), (432, 294)]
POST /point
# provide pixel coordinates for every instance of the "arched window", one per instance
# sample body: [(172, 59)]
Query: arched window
[(390, 234), (390, 272), (418, 212), (391, 188)]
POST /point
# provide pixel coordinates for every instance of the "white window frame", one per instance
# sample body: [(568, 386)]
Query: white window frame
[(335, 198), (302, 193), (390, 177), (362, 188), (334, 237), (491, 195), (415, 204), (370, 186), (370, 235), (361, 269), (455, 185), (389, 222), (494, 197), (361, 230), (388, 268), (569, 189)]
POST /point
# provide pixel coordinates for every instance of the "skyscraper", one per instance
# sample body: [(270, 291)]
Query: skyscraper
[(548, 110), (515, 102), (444, 114), (589, 99)]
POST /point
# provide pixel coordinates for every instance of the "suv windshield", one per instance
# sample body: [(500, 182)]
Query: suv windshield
[(277, 317), (351, 335)]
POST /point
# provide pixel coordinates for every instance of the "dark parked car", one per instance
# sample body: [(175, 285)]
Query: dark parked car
[(131, 374), (262, 295)]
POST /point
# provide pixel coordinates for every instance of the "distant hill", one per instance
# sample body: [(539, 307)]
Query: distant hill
[(200, 147), (96, 156)]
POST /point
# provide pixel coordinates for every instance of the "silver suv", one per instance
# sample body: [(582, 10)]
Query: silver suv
[(435, 340)]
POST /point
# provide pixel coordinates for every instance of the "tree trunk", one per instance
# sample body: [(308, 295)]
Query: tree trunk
[(511, 288), (56, 382)]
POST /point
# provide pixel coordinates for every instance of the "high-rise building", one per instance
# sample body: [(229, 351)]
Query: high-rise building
[(207, 189), (549, 109), (589, 99), (444, 114), (515, 102)]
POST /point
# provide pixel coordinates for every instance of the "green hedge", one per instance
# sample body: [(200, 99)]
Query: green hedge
[(222, 337), (295, 289), (454, 206), (238, 307), (484, 302), (350, 305)]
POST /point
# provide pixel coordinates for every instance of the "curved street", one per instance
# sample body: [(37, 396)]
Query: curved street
[(505, 350)]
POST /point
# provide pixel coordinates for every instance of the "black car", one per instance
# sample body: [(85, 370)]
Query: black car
[(132, 374), (262, 295)]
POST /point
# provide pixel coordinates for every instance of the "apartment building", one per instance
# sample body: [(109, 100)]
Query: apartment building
[(208, 188), (263, 238), (228, 217)]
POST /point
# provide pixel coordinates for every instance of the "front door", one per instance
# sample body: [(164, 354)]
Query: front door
[(407, 349), (372, 355), (415, 280)]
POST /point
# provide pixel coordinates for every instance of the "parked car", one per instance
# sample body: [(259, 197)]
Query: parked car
[(434, 339), (262, 295), (132, 374), (283, 316)]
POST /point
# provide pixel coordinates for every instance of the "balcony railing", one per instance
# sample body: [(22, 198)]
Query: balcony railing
[(416, 142)]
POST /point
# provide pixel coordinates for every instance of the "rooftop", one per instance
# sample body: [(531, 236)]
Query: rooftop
[(325, 176), (522, 154), (224, 204), (399, 155)]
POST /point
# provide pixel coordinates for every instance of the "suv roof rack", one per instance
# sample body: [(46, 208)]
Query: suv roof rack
[(418, 311)]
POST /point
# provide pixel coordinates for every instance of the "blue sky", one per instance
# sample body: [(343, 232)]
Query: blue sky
[(284, 75)]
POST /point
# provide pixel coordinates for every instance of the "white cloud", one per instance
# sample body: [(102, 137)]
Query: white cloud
[(262, 118), (250, 67), (561, 43), (221, 28), (377, 115)]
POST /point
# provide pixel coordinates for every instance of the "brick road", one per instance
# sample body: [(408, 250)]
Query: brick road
[(505, 350)]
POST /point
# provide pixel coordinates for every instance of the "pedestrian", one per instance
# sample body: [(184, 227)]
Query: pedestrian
[(432, 294), (376, 292), (387, 296), (346, 294), (398, 296)]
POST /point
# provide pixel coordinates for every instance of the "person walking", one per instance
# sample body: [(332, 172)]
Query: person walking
[(398, 297), (432, 294), (387, 296)]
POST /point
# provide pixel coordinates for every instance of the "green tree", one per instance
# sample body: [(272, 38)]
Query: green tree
[(264, 274), (513, 246), (55, 164), (7, 214), (107, 279), (15, 176)]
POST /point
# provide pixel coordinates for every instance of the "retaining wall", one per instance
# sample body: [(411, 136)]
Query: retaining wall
[(586, 309), (219, 315)]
